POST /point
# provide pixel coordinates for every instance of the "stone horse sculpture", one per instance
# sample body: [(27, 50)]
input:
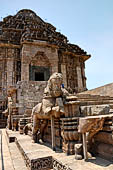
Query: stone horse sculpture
[(52, 104)]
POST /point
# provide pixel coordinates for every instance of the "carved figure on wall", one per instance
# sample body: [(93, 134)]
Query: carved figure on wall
[(10, 102), (11, 108), (51, 105)]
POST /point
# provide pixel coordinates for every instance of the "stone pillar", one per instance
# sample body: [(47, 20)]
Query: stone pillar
[(84, 146), (83, 74), (55, 64), (25, 72), (53, 58), (84, 78), (25, 63), (53, 133), (3, 80), (55, 68), (79, 78), (10, 70), (63, 71)]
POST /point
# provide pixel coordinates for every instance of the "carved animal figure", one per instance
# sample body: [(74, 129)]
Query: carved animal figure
[(52, 104)]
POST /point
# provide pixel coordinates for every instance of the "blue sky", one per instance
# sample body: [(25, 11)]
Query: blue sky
[(87, 23)]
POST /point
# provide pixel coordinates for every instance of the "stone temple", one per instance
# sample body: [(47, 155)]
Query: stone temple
[(43, 93), (30, 51)]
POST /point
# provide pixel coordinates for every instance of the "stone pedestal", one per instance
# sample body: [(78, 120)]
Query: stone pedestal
[(69, 134)]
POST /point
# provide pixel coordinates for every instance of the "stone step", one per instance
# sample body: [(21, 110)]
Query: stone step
[(5, 158), (38, 157), (16, 157)]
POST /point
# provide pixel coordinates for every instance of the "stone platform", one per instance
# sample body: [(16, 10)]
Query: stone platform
[(41, 156)]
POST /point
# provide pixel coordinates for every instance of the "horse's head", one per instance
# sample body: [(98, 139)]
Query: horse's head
[(54, 85)]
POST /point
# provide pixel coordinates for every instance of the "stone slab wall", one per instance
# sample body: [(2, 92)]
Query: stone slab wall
[(29, 94)]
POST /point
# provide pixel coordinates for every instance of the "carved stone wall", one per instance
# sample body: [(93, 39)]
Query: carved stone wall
[(38, 54), (73, 70), (10, 71)]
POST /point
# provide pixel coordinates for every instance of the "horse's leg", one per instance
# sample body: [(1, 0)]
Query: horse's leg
[(36, 127), (43, 127)]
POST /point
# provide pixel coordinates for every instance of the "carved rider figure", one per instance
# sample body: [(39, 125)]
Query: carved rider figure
[(52, 103)]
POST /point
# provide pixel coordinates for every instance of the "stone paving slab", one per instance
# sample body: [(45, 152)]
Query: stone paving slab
[(18, 161), (5, 158), (38, 156), (15, 158)]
